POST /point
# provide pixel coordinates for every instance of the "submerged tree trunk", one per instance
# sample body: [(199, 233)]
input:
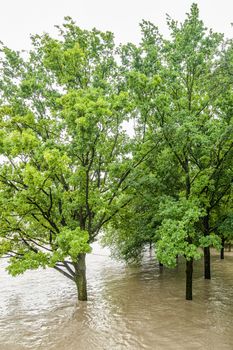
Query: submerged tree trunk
[(150, 245), (189, 279), (207, 268), (150, 248), (207, 272), (189, 263), (80, 278), (222, 249)]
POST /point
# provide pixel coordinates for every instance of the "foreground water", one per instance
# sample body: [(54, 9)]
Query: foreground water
[(128, 308)]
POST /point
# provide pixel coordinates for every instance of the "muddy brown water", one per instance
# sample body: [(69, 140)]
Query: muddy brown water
[(129, 308)]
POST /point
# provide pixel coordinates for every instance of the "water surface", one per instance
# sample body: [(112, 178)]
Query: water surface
[(129, 308)]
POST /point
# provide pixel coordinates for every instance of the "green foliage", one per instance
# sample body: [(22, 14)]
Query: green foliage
[(73, 242), (211, 240), (177, 233), (180, 89), (65, 155), (226, 227), (70, 171), (29, 261)]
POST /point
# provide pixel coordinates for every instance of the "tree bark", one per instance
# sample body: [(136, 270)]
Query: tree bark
[(150, 245), (150, 248), (189, 263), (222, 249), (189, 279), (207, 270), (80, 278), (207, 267)]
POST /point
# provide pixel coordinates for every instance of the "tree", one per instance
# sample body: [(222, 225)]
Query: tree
[(65, 155), (177, 87)]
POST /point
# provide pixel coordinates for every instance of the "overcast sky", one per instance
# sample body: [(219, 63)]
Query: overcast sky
[(19, 18)]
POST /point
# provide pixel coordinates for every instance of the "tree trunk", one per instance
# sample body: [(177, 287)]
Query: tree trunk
[(229, 247), (222, 249), (189, 279), (207, 271), (150, 248), (80, 278)]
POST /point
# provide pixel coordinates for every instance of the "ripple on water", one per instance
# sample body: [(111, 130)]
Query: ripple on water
[(128, 308)]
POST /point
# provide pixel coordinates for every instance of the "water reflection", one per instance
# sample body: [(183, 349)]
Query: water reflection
[(128, 308)]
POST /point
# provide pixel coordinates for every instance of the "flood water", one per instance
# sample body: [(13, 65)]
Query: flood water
[(129, 308)]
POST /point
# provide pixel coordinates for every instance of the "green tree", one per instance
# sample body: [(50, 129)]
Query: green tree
[(197, 136), (178, 86), (65, 155)]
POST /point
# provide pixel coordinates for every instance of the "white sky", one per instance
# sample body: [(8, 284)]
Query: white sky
[(19, 18)]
